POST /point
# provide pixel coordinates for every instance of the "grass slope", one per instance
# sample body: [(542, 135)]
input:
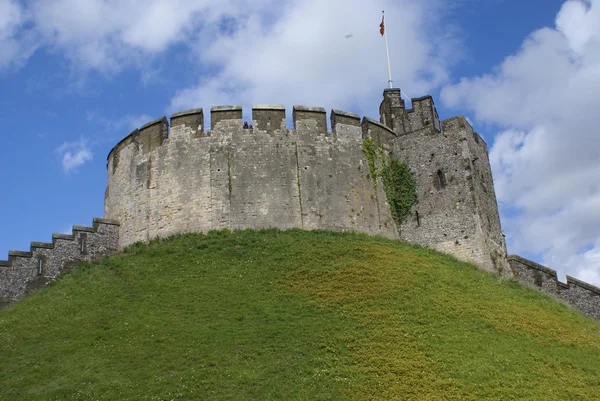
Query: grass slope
[(271, 315)]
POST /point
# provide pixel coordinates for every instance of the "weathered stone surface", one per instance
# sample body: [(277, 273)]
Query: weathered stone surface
[(343, 119), (235, 178), (456, 211), (268, 117), (152, 134), (302, 114), (193, 119), (225, 113), (24, 271), (582, 296)]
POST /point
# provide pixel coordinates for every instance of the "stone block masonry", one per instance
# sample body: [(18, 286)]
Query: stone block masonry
[(236, 177), (45, 261), (456, 212), (582, 296)]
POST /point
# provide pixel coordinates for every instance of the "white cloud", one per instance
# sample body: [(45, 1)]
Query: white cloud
[(74, 154), (104, 35), (257, 49), (108, 36), (546, 159), (15, 47), (305, 55)]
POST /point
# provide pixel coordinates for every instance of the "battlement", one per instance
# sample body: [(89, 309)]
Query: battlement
[(394, 114), (193, 119), (268, 117), (577, 293), (381, 134), (25, 270), (307, 120), (225, 113), (423, 114)]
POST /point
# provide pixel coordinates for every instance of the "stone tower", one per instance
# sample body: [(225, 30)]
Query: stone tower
[(457, 211)]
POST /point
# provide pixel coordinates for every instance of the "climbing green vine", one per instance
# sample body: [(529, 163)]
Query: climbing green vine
[(370, 150), (400, 189), (398, 180)]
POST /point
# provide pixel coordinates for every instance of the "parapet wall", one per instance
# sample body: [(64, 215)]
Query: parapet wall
[(394, 114), (162, 183), (45, 261), (582, 296)]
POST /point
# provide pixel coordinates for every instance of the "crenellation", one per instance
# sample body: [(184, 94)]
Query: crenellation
[(581, 295), (56, 236), (423, 114), (44, 262), (83, 228), (225, 113), (309, 119), (193, 119), (345, 126), (268, 117), (392, 111), (47, 245), (19, 254), (582, 284), (381, 134), (152, 134), (114, 154), (343, 118)]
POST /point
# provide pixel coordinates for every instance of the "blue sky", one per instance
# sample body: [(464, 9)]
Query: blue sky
[(78, 75)]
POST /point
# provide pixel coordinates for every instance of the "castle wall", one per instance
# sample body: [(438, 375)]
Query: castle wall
[(455, 212), (582, 296), (44, 262), (236, 178), (443, 215), (487, 215)]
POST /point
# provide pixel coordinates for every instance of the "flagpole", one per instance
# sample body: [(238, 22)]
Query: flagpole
[(387, 52)]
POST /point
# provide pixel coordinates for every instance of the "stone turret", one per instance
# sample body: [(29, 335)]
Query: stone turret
[(392, 110), (457, 210)]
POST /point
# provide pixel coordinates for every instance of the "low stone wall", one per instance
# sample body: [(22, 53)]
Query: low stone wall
[(576, 293), (26, 270)]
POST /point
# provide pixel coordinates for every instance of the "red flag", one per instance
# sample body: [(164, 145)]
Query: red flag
[(381, 26)]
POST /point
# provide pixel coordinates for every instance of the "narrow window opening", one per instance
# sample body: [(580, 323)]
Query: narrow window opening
[(40, 267), (269, 124), (441, 178), (83, 245), (418, 219)]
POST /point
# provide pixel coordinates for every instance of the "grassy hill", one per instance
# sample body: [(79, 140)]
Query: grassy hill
[(272, 315)]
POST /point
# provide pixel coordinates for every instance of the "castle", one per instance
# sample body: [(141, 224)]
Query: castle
[(164, 179)]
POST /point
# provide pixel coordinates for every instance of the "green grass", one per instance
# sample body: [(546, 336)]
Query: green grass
[(272, 315)]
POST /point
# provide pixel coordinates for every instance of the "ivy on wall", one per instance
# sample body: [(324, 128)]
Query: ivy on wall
[(369, 148), (400, 188), (398, 180)]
